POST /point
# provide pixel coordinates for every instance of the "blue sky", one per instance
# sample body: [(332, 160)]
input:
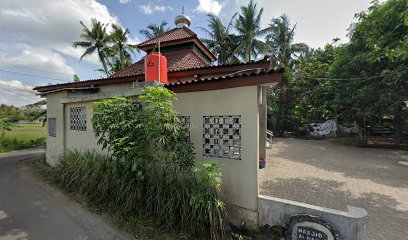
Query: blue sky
[(36, 36)]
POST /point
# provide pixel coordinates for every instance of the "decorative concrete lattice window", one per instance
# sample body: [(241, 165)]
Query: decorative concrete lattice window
[(78, 118), (52, 127), (185, 121), (222, 136)]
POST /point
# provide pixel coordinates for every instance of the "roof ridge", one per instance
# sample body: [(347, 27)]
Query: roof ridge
[(151, 41), (157, 36)]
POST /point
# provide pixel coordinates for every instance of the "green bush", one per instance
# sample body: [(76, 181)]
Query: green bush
[(180, 200), (145, 130), (9, 144)]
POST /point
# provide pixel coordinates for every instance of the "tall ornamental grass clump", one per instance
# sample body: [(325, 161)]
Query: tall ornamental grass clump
[(150, 169)]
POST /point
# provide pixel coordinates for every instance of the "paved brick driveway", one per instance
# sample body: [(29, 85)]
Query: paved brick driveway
[(324, 174)]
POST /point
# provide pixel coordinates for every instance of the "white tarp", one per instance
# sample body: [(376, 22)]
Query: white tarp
[(327, 128), (351, 129)]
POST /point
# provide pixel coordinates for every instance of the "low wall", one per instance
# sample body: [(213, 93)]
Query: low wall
[(351, 225)]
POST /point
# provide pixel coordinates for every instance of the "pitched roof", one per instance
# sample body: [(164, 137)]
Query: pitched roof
[(176, 61), (222, 71), (174, 34)]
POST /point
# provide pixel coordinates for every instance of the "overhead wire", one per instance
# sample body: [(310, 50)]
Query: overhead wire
[(19, 89), (32, 75), (19, 93)]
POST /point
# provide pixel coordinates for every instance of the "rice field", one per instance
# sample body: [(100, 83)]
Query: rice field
[(23, 136)]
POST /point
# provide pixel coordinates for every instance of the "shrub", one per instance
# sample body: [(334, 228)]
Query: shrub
[(9, 143), (145, 130), (181, 200)]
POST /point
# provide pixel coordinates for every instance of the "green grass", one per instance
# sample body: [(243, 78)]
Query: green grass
[(23, 136), (141, 227), (27, 131)]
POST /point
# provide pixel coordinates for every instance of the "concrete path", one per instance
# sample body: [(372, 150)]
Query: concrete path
[(31, 209), (324, 174)]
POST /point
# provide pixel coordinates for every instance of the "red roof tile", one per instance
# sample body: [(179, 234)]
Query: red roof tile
[(171, 35), (176, 61)]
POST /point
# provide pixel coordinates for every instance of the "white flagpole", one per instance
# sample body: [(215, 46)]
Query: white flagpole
[(159, 60)]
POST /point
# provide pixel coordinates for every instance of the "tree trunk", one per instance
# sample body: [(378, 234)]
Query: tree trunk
[(102, 59), (398, 127), (362, 136)]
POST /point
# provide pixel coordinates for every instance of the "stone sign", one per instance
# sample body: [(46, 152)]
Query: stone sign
[(303, 232), (307, 227)]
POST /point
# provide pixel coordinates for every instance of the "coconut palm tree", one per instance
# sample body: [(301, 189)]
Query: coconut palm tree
[(284, 52), (121, 47), (248, 26), (94, 39), (221, 42), (154, 30), (280, 44)]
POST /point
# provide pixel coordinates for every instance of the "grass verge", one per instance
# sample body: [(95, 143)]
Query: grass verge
[(23, 136), (140, 227)]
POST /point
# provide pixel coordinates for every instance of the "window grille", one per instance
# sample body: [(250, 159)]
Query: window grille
[(52, 127), (222, 136), (78, 118)]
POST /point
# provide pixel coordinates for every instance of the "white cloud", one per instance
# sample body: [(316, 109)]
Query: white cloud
[(14, 92), (52, 24), (149, 9), (124, 1), (17, 84), (209, 6), (318, 21), (37, 59)]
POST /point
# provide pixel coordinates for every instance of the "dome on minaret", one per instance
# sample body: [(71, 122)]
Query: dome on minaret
[(182, 20)]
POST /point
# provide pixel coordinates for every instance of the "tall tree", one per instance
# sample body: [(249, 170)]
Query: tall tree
[(154, 30), (283, 51), (121, 46), (280, 43), (76, 78), (375, 64), (248, 26), (221, 41), (94, 40)]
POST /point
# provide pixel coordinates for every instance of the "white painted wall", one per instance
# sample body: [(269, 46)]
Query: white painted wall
[(240, 177)]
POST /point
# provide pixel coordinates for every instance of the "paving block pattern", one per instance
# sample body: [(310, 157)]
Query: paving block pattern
[(325, 174)]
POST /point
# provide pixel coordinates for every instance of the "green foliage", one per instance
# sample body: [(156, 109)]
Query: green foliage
[(145, 130), (5, 125), (76, 78), (183, 201), (94, 39), (154, 30), (378, 47), (113, 49), (248, 26), (120, 51), (361, 81), (279, 40), (21, 136), (220, 40), (15, 143), (283, 53), (151, 168), (14, 114), (312, 92)]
